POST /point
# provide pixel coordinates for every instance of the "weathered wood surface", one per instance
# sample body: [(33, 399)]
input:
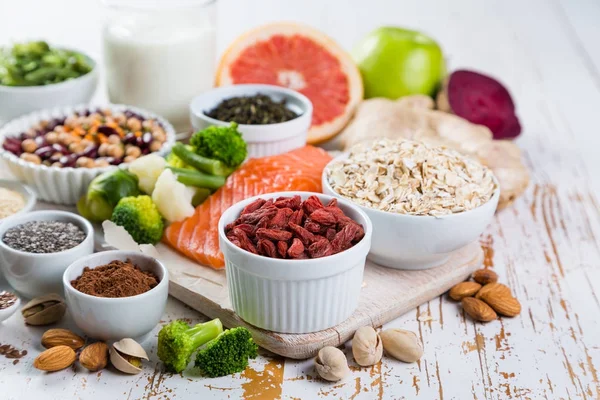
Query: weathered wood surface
[(546, 247), (385, 295)]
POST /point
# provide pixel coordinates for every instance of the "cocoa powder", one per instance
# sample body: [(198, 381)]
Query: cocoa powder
[(116, 279)]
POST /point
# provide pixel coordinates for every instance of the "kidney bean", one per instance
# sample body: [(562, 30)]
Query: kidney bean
[(41, 141), (13, 147), (107, 130), (44, 152), (59, 148), (130, 138), (68, 161), (91, 151)]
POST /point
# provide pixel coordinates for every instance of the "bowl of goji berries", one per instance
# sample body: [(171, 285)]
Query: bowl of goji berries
[(294, 260)]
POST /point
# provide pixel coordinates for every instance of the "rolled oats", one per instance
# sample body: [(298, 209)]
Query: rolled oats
[(408, 177)]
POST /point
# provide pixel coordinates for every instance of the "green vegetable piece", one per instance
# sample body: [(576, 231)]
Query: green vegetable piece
[(201, 195), (140, 217), (198, 179), (177, 342), (223, 143), (227, 354), (213, 167), (104, 193), (176, 162)]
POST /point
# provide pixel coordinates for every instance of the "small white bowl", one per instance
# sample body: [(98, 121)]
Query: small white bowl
[(416, 242), (117, 318), (19, 100), (9, 311), (25, 191), (64, 185), (263, 140), (33, 274), (295, 296)]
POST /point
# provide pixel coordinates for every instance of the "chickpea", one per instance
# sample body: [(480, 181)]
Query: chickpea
[(84, 162), (134, 124), (148, 124), (29, 145), (76, 147), (133, 151), (99, 163), (43, 123), (65, 138), (115, 150), (86, 143), (94, 117), (114, 139), (59, 129), (129, 159), (71, 121), (52, 137), (103, 150), (155, 146), (120, 118), (107, 112), (32, 158), (31, 132), (57, 165), (159, 134)]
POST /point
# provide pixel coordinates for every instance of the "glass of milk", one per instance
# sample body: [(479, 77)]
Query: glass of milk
[(159, 54)]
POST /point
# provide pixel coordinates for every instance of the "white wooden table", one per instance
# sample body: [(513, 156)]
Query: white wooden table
[(546, 247)]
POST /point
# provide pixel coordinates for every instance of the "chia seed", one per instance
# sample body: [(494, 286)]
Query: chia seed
[(44, 237)]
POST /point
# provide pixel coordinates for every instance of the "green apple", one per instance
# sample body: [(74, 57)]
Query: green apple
[(396, 62)]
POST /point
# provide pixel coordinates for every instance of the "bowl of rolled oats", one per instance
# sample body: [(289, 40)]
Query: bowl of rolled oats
[(424, 202)]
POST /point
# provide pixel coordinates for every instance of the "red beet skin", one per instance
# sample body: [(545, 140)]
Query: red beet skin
[(483, 100)]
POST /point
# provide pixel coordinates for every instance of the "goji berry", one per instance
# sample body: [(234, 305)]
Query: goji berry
[(311, 204), (296, 249), (288, 202), (282, 248), (255, 205), (297, 217), (280, 220), (320, 248), (305, 236), (273, 234), (324, 217), (267, 248)]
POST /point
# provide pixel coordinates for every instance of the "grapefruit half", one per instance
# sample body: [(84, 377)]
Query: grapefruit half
[(303, 59)]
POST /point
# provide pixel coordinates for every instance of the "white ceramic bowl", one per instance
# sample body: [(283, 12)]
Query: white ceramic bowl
[(420, 242), (19, 100), (263, 140), (117, 318), (295, 296), (63, 185), (33, 274), (25, 191)]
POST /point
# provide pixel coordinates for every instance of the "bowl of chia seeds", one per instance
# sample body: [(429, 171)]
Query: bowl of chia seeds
[(37, 247), (272, 119)]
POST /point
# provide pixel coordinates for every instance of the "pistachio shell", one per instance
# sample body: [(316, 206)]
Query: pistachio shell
[(127, 348), (130, 347), (44, 310)]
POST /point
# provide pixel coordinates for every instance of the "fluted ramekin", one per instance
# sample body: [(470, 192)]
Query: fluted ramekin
[(263, 140), (64, 185), (295, 296)]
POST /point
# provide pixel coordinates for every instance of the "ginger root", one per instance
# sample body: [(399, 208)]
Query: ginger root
[(413, 118)]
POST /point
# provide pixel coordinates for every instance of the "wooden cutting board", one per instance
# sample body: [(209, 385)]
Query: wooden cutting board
[(386, 294)]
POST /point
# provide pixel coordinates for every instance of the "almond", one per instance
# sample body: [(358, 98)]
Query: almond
[(62, 337), (55, 359), (495, 287), (501, 303), (464, 289), (478, 310), (94, 357), (485, 276)]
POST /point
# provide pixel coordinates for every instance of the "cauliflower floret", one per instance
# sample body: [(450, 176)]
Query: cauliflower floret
[(173, 198), (148, 169)]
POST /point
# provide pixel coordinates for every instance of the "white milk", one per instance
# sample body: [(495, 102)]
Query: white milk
[(160, 61)]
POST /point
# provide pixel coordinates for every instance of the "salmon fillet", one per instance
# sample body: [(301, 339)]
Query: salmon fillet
[(197, 237)]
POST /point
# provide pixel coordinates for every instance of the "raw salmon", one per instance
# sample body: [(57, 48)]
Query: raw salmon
[(197, 236)]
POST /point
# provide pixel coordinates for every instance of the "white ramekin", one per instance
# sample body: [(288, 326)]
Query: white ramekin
[(295, 296), (117, 318), (20, 100), (33, 274), (263, 140), (417, 242), (64, 185)]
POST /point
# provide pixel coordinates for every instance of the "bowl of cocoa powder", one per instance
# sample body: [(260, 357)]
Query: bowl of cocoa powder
[(116, 294)]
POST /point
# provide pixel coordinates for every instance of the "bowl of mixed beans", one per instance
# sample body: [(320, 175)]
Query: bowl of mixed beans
[(59, 151)]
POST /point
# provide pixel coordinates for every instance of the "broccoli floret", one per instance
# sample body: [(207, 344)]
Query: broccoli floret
[(223, 143), (140, 217), (227, 354), (177, 341)]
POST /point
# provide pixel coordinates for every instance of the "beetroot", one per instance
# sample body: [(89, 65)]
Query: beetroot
[(482, 100)]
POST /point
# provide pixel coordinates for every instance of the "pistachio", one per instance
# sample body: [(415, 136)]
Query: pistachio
[(402, 344), (126, 355), (366, 346), (44, 310), (331, 364)]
